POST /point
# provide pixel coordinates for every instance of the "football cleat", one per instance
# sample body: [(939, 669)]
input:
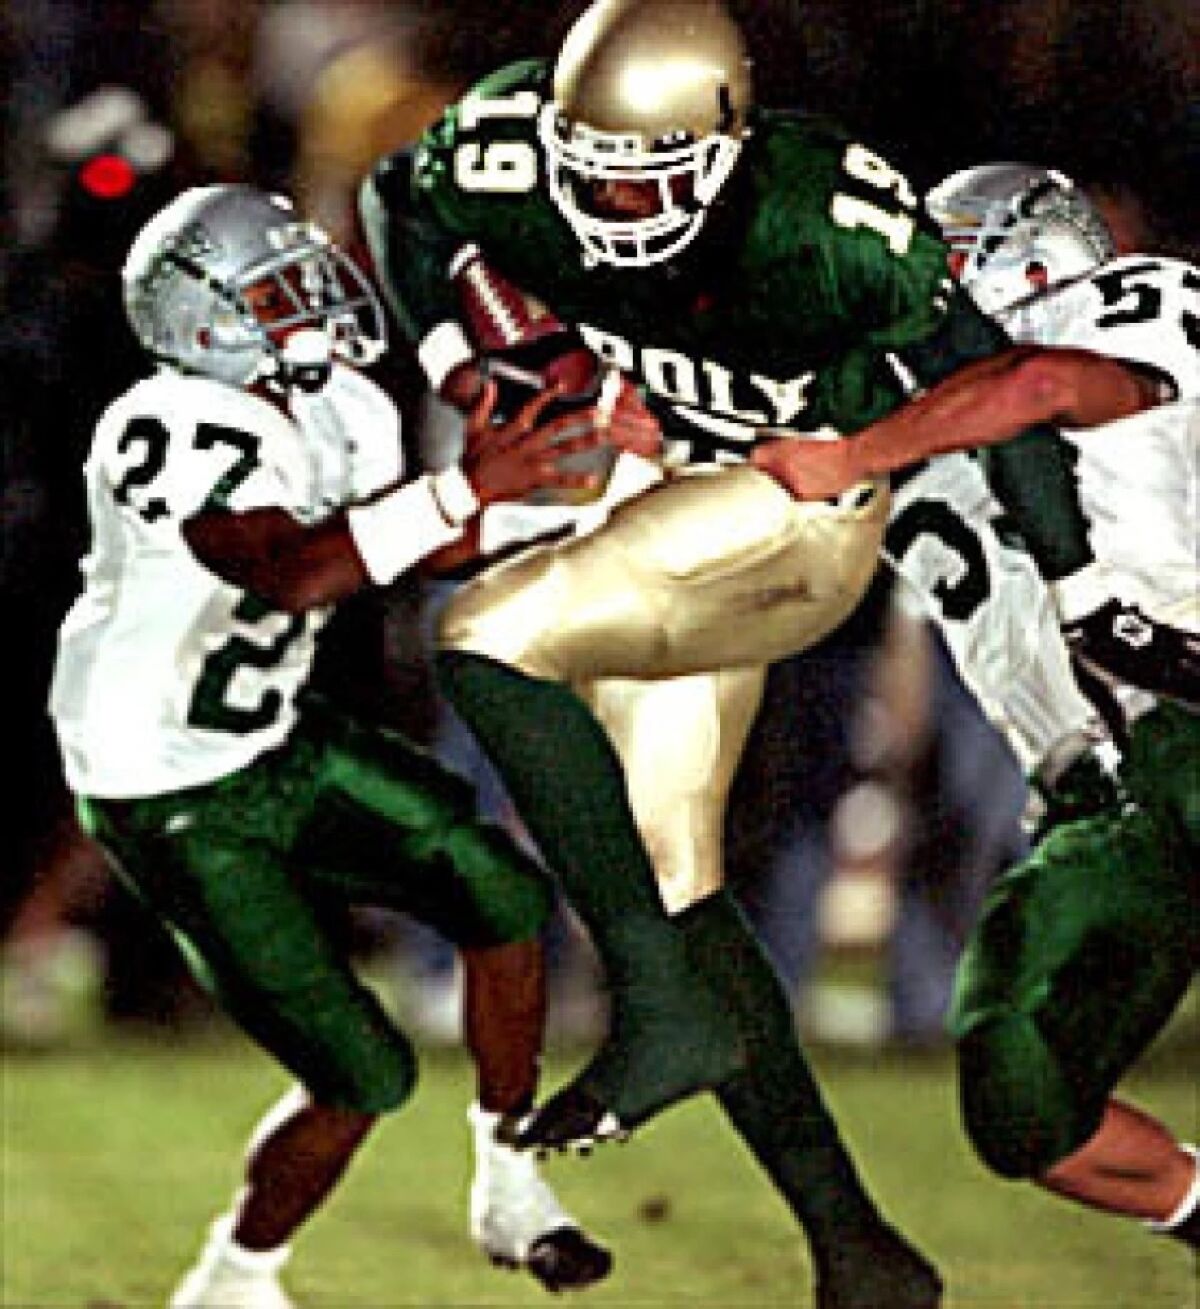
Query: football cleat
[(632, 1079), (573, 1120), (517, 1220), (1188, 1231), (567, 1260), (227, 1277), (1119, 642), (879, 1271)]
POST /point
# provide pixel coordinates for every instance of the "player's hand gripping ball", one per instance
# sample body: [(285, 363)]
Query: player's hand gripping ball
[(524, 349)]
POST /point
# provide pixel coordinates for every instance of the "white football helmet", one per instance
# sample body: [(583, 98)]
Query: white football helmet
[(187, 272), (649, 92), (1020, 229)]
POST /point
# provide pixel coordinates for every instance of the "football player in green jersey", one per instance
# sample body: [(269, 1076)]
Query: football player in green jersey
[(235, 495), (660, 614), (750, 271)]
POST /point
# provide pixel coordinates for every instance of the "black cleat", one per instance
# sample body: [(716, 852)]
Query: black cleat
[(574, 1119), (881, 1271), (1188, 1231), (568, 1260), (1119, 642), (625, 1085)]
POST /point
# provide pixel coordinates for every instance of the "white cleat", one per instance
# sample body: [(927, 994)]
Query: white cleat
[(517, 1220), (228, 1277)]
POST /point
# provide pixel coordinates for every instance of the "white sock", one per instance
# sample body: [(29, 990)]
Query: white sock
[(254, 1263), (511, 1205)]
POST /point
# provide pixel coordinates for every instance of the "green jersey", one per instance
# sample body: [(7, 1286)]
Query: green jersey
[(812, 271)]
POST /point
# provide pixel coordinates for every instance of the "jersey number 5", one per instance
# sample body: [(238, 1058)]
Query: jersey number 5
[(1130, 300), (961, 582)]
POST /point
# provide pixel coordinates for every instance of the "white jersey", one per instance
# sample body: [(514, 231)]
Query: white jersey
[(1138, 488), (945, 538), (166, 676), (1139, 479)]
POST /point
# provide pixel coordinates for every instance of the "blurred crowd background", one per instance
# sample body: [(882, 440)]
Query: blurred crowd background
[(874, 804)]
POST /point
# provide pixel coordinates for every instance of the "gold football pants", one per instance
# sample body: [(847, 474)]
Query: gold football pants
[(664, 620)]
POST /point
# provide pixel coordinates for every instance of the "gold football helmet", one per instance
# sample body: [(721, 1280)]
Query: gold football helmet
[(649, 94)]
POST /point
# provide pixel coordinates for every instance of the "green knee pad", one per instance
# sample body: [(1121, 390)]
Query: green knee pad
[(344, 1057), (1019, 1109), (510, 897)]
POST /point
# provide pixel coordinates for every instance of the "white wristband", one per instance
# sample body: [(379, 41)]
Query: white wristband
[(455, 495), (442, 350), (399, 529)]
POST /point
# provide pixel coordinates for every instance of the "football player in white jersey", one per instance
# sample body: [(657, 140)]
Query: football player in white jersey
[(1085, 949), (235, 496), (1121, 339)]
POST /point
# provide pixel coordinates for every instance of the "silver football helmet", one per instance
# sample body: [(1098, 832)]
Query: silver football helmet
[(650, 92), (1019, 228), (187, 275)]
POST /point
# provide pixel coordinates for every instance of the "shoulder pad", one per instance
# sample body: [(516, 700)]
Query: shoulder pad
[(179, 396)]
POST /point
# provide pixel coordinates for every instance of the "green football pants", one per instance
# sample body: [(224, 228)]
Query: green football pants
[(253, 875), (1080, 956)]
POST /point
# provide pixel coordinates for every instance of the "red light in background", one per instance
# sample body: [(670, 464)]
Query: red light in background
[(107, 177)]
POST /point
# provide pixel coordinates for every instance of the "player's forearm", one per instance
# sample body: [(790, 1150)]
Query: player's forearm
[(295, 567), (290, 566), (458, 554), (995, 399)]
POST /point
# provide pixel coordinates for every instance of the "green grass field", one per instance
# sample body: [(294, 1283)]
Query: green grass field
[(115, 1156)]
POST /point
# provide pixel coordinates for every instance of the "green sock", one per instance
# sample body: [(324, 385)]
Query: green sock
[(1033, 476), (565, 779), (669, 1034), (775, 1103)]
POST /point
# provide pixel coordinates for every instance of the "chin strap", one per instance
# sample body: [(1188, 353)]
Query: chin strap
[(306, 359)]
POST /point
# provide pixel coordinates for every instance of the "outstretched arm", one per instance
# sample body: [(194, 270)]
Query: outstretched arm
[(295, 566), (983, 403)]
